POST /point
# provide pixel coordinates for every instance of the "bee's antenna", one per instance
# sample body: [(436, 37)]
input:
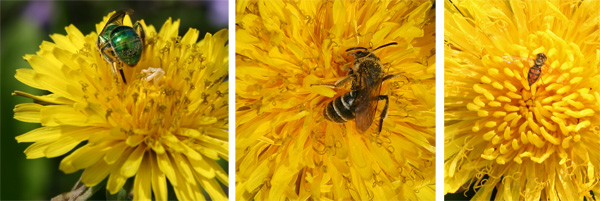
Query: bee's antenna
[(356, 48), (364, 48), (457, 8), (392, 43)]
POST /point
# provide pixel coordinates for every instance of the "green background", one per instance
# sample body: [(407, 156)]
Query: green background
[(24, 25)]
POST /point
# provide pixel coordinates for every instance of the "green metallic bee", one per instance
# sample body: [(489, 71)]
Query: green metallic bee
[(120, 44)]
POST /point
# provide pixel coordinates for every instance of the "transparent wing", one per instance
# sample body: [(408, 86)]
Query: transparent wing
[(368, 97), (513, 59)]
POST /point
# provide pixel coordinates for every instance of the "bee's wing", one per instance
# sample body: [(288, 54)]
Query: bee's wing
[(117, 18), (512, 59), (368, 97)]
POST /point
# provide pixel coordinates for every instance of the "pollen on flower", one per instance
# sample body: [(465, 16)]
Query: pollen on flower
[(153, 74)]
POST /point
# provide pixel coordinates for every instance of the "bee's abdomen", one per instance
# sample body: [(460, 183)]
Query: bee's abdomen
[(341, 109), (533, 75)]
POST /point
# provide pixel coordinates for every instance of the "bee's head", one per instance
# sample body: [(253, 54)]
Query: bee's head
[(540, 59), (363, 51), (360, 54)]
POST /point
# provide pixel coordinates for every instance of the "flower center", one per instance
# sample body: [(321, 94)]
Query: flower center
[(167, 106), (536, 121)]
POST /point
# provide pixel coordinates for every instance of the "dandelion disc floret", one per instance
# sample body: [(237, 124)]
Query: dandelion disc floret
[(167, 123), (527, 138), (286, 54)]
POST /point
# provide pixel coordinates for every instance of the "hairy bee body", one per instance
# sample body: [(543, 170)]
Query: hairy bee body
[(367, 75)]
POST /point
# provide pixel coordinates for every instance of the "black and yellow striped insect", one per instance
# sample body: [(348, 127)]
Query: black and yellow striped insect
[(367, 75)]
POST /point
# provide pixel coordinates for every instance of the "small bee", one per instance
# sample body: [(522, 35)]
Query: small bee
[(367, 76), (121, 44), (536, 69)]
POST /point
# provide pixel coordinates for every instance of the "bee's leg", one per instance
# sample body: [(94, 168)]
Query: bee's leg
[(122, 75), (109, 54), (385, 110), (343, 81), (141, 31), (114, 68), (346, 68), (99, 42), (387, 77)]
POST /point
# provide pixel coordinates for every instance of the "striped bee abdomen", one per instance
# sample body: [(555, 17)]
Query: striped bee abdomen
[(341, 109), (533, 75), (536, 70)]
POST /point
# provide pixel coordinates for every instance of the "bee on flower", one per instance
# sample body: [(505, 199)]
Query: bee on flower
[(335, 100)]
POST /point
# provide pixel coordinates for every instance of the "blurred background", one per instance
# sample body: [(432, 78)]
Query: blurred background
[(23, 27)]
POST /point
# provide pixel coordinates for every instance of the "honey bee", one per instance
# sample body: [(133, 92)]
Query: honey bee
[(367, 75), (536, 70)]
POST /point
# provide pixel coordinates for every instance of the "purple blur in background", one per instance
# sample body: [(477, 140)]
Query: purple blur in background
[(219, 13)]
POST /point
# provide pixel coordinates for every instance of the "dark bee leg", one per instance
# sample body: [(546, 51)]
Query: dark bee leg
[(114, 67), (141, 31), (385, 110), (387, 102), (387, 77), (122, 75)]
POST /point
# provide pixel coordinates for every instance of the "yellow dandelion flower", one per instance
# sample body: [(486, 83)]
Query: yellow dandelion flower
[(527, 139), (168, 122), (285, 148)]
